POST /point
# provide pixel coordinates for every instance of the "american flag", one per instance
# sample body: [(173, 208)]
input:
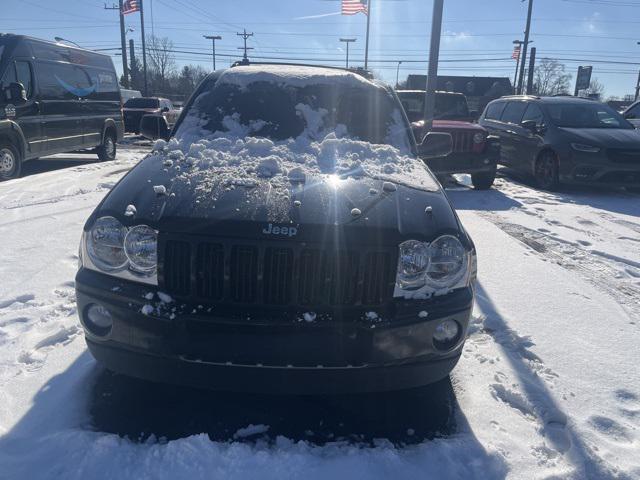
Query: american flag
[(516, 52), (351, 7), (130, 6)]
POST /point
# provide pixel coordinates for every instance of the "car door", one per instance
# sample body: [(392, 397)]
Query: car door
[(26, 114), (103, 102), (61, 89), (512, 133), (490, 120), (530, 141)]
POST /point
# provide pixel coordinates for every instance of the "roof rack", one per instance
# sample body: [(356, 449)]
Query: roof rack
[(357, 70)]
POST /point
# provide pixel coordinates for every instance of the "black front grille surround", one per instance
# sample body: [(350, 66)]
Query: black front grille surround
[(276, 273)]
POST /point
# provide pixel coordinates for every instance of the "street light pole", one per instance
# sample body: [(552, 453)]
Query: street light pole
[(213, 39), (398, 74), (523, 54), (347, 41), (434, 55)]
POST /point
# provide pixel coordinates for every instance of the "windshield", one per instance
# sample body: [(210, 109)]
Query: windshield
[(586, 115), (448, 106), (279, 112), (142, 103)]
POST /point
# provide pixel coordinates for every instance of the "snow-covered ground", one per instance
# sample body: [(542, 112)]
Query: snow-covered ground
[(548, 386)]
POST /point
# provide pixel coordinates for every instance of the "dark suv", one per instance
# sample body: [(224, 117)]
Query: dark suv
[(55, 99), (565, 140), (286, 238), (474, 151), (136, 108)]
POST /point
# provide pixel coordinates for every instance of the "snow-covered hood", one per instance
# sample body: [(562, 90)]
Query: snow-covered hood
[(605, 137), (225, 187)]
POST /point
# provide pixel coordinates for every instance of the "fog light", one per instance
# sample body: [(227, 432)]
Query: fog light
[(99, 320), (446, 334)]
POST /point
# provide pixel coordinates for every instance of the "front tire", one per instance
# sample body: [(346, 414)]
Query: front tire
[(547, 172), (10, 161), (107, 150), (483, 180)]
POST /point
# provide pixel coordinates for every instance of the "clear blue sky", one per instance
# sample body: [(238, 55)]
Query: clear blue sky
[(477, 35)]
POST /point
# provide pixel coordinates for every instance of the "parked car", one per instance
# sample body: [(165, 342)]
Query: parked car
[(474, 151), (126, 94), (277, 243), (136, 108), (632, 114), (55, 98), (565, 140)]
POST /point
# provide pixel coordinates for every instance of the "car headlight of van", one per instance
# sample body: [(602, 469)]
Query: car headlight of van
[(441, 264), (129, 253)]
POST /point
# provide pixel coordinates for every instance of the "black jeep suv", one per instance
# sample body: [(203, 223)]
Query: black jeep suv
[(286, 238)]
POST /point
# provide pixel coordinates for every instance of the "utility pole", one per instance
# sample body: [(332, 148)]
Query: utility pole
[(434, 55), (213, 39), (398, 74), (144, 52), (523, 63), (245, 36), (123, 41), (347, 41), (532, 66), (638, 85), (366, 47)]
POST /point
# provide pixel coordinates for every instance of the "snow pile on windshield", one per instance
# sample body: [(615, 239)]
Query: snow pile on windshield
[(230, 159), (292, 75)]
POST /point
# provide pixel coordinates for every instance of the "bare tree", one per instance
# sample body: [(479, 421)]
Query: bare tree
[(551, 78), (163, 64), (596, 87)]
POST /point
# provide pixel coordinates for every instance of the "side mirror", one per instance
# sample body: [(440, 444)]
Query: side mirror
[(435, 144), (154, 127), (164, 109), (530, 125), (16, 93)]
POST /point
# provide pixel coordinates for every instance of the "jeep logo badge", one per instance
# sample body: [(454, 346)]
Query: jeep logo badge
[(272, 229)]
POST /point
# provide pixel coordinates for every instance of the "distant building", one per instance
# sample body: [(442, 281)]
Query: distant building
[(479, 90)]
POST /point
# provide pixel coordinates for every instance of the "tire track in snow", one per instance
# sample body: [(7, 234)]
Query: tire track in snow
[(615, 275)]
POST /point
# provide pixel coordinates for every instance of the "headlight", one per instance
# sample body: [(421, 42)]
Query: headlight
[(105, 244), (128, 253), (413, 264), (448, 263), (580, 147), (478, 137), (141, 248), (429, 268)]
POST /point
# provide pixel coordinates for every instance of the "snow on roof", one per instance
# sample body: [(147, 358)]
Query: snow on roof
[(293, 75)]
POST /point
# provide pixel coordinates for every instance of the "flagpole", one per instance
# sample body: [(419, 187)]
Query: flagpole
[(144, 52), (366, 47)]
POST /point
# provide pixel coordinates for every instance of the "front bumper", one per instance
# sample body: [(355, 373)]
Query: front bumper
[(200, 345), (468, 162), (589, 169)]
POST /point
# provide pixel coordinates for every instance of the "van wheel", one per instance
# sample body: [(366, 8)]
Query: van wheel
[(107, 151), (10, 161), (546, 172), (483, 180)]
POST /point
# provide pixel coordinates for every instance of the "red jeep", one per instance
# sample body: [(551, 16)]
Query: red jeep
[(474, 150)]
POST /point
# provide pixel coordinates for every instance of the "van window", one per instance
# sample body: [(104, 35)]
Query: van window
[(513, 112), (494, 111), (60, 81), (9, 77), (533, 113), (23, 70)]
